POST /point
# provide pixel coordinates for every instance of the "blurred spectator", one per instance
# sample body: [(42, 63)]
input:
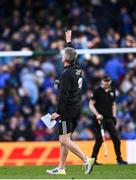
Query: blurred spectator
[(4, 76), (125, 21), (129, 132), (28, 82), (2, 105), (114, 68), (83, 130)]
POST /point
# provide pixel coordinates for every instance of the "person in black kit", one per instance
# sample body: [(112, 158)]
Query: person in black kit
[(103, 107), (69, 108)]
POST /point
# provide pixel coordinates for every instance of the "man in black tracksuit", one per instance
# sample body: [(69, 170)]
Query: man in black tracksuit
[(69, 108), (69, 105), (103, 107)]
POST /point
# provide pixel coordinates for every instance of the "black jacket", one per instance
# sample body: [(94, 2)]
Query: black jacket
[(69, 90)]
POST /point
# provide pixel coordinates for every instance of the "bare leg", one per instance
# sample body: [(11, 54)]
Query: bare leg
[(67, 144), (66, 140), (63, 156)]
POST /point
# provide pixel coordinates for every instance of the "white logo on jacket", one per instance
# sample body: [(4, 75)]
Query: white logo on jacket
[(112, 94)]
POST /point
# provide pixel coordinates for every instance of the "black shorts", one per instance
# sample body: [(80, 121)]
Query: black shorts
[(68, 125)]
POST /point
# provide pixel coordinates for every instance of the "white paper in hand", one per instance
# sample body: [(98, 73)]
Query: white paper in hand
[(47, 121)]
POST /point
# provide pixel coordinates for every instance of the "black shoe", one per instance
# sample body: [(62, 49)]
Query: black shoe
[(122, 162), (96, 163)]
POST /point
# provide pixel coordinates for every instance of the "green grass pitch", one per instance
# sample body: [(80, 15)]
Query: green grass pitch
[(73, 172)]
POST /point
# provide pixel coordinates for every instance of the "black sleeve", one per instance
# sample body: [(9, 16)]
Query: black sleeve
[(65, 86), (69, 44), (113, 91), (95, 95), (114, 96)]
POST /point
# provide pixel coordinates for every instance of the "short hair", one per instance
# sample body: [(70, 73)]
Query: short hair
[(70, 55), (106, 77)]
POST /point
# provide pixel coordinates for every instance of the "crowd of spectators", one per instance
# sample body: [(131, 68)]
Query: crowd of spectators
[(27, 89)]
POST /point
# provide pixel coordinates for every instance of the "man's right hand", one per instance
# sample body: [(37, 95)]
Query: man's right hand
[(54, 116), (99, 117), (68, 36)]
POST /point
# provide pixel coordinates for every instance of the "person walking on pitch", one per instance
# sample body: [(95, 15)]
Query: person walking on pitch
[(69, 108)]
